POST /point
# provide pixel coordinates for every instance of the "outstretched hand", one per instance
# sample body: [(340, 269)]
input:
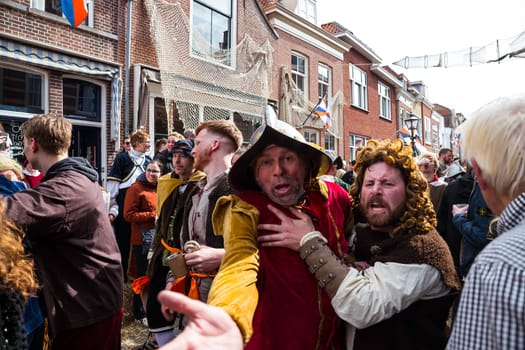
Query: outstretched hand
[(209, 327), (289, 232)]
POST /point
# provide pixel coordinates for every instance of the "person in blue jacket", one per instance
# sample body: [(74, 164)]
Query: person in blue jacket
[(472, 222)]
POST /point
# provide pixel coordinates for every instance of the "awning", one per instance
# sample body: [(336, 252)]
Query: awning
[(59, 61)]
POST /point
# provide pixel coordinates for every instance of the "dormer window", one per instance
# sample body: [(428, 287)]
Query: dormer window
[(308, 10)]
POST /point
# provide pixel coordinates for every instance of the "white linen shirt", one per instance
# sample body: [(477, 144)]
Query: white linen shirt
[(367, 297)]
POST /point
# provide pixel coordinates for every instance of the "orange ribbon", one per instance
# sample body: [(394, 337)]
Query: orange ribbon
[(179, 285), (139, 284), (168, 247)]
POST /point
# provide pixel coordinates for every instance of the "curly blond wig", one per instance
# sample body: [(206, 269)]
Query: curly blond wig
[(419, 216), (16, 268)]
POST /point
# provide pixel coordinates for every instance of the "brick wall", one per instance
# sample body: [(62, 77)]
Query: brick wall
[(361, 122), (50, 30)]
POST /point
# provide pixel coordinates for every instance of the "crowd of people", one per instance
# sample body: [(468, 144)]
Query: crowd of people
[(274, 243)]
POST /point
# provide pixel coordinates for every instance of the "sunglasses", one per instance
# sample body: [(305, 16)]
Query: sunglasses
[(127, 143)]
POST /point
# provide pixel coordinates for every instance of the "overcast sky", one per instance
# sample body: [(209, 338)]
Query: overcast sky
[(395, 29)]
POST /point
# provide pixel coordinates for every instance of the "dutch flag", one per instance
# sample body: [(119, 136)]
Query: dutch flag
[(75, 11), (322, 112)]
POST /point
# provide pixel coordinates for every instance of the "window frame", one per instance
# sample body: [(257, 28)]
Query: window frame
[(307, 9), (355, 143), (230, 52), (26, 109), (428, 131), (80, 114), (322, 85), (311, 135), (90, 5), (296, 74), (385, 101), (358, 87), (330, 143)]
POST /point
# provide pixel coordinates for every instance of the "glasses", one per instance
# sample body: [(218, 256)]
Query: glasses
[(127, 143), (153, 171)]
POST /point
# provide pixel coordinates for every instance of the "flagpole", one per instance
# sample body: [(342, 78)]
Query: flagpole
[(312, 111)]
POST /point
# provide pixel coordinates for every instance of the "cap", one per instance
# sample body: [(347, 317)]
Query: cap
[(183, 146)]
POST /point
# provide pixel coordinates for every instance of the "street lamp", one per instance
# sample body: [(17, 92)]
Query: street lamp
[(412, 124)]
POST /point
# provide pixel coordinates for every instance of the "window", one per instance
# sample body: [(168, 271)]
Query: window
[(299, 72), (212, 30), (435, 137), (55, 7), (81, 99), (385, 110), (247, 124), (324, 81), (428, 131), (329, 142), (359, 90), (310, 136), (21, 91), (308, 10), (356, 143)]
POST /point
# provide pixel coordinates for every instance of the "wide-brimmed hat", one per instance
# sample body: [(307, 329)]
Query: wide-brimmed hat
[(242, 175), (454, 170), (183, 146)]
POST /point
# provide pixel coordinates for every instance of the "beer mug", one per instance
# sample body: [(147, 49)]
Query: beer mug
[(177, 264)]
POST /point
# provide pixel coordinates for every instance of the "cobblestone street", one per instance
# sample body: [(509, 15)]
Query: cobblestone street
[(134, 334)]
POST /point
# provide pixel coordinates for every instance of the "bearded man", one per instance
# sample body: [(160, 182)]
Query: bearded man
[(399, 293)]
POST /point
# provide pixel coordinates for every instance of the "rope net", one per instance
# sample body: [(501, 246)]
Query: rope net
[(206, 77)]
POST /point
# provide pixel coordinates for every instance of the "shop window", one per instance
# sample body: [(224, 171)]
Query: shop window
[(81, 100), (21, 91)]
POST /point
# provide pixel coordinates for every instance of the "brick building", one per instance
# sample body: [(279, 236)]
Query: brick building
[(308, 66), (369, 110), (200, 75), (168, 65), (48, 67)]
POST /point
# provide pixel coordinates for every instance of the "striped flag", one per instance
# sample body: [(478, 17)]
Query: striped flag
[(404, 133), (75, 11), (322, 112)]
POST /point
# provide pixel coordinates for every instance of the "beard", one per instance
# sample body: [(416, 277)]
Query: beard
[(202, 159), (292, 197), (387, 218)]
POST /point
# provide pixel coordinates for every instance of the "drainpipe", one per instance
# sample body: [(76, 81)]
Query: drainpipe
[(126, 84)]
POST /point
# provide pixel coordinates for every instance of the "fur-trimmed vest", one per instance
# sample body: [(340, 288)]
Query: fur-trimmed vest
[(423, 324)]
